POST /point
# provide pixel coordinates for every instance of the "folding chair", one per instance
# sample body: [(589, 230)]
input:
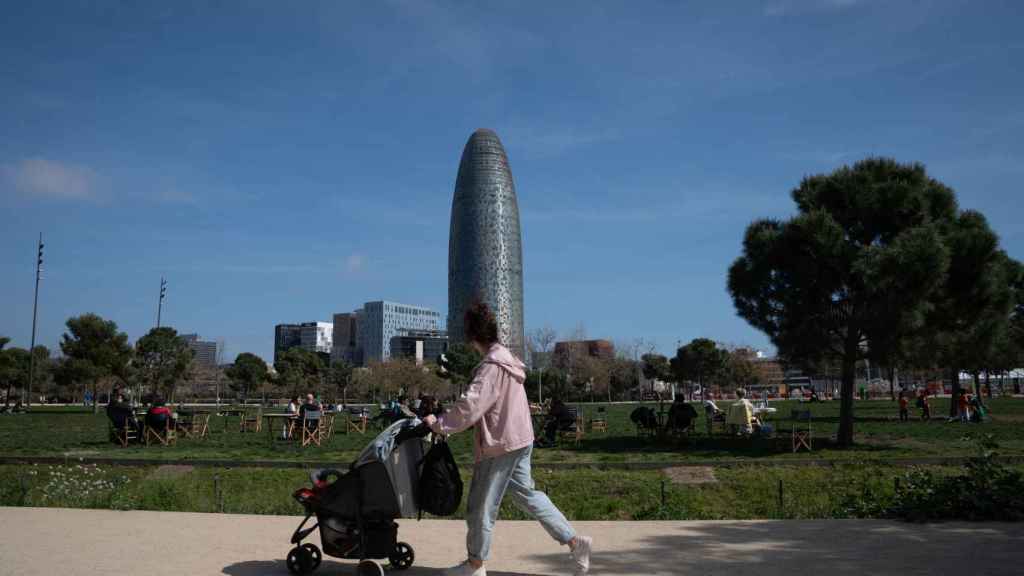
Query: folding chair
[(802, 434), (249, 423), (357, 420), (123, 426), (159, 430), (310, 427), (600, 421), (573, 431), (195, 426), (124, 435), (326, 426)]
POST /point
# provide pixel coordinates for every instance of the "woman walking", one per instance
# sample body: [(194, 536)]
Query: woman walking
[(496, 404)]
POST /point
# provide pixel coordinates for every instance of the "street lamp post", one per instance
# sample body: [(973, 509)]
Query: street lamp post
[(160, 303), (35, 309)]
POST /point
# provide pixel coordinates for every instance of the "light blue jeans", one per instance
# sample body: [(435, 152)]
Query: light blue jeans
[(492, 477)]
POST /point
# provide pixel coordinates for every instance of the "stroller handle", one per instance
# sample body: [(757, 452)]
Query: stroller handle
[(421, 430)]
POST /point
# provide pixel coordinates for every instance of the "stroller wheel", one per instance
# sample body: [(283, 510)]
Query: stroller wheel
[(403, 556), (314, 553), (369, 568), (300, 561)]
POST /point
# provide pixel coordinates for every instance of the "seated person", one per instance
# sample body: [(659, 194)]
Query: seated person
[(120, 413), (159, 415), (310, 405), (403, 410), (680, 414), (428, 405), (293, 409), (741, 414), (559, 418)]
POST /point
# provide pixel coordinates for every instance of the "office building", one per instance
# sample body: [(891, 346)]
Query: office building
[(485, 257), (381, 321), (422, 345), (346, 338), (312, 336), (203, 353), (603, 349)]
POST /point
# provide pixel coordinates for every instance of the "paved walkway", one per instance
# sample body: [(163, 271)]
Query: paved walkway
[(35, 541)]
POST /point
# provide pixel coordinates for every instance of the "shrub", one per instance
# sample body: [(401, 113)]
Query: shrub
[(986, 489)]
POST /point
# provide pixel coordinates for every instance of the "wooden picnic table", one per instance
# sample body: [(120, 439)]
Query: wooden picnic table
[(284, 417)]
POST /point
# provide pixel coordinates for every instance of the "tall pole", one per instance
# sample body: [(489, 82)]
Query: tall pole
[(160, 303), (540, 387), (35, 309)]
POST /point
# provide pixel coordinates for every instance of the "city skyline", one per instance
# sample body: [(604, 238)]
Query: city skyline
[(276, 165)]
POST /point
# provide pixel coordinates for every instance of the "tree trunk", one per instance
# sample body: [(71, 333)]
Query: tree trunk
[(892, 383), (96, 397), (954, 389), (988, 386), (845, 435)]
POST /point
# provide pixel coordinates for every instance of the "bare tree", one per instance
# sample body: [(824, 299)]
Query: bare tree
[(540, 341)]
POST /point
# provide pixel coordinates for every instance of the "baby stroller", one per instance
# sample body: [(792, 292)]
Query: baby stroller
[(356, 511)]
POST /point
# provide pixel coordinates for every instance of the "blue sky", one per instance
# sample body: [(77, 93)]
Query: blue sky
[(282, 161)]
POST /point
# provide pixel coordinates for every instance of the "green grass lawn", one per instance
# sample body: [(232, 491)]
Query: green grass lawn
[(78, 433), (585, 494)]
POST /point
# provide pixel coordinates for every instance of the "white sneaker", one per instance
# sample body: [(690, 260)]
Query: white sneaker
[(581, 555), (465, 569)]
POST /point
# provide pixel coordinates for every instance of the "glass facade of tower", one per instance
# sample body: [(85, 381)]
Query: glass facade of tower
[(485, 256)]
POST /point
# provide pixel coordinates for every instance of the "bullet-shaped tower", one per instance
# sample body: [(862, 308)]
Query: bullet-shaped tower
[(485, 254)]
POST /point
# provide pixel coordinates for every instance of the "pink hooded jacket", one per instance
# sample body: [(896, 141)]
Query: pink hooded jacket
[(496, 403)]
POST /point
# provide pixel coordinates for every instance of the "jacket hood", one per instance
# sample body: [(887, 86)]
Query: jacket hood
[(502, 356)]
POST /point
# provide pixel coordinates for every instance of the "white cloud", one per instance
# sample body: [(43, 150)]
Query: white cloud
[(354, 263), (47, 178)]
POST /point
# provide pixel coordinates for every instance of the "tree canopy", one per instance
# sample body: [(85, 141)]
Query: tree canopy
[(297, 367), (852, 272), (247, 374), (458, 363), (699, 361), (656, 367), (162, 360), (94, 350)]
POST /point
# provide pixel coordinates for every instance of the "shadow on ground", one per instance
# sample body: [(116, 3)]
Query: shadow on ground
[(769, 548), (331, 568)]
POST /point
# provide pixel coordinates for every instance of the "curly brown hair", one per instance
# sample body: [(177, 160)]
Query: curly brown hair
[(479, 324)]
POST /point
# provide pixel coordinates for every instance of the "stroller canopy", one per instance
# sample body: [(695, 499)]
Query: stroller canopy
[(399, 455)]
